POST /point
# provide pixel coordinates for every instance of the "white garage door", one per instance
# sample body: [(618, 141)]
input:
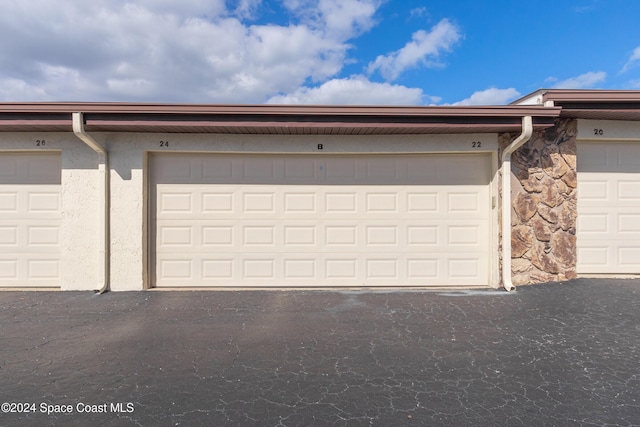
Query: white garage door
[(608, 230), (30, 220), (320, 220)]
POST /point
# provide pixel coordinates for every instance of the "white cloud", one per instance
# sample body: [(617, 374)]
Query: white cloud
[(339, 19), (424, 48), (419, 12), (354, 90), (491, 96), (19, 90), (588, 7), (633, 60), (348, 17), (162, 50), (245, 8), (583, 81)]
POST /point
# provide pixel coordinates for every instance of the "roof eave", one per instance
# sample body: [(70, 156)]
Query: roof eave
[(127, 117)]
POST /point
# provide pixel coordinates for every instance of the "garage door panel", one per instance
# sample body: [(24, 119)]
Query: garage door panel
[(319, 221), (305, 235), (177, 269), (43, 271), (608, 225), (303, 168), (627, 159), (463, 236), (43, 236), (28, 201), (466, 202), (594, 256), (25, 236), (629, 225), (463, 268), (8, 168), (8, 270), (32, 269), (215, 168), (30, 169), (218, 269), (175, 201), (345, 168), (218, 202), (8, 234), (300, 268), (300, 202), (421, 203), (175, 169), (259, 202), (8, 202), (381, 202), (218, 236), (423, 269), (40, 201), (171, 236), (593, 223), (594, 192), (628, 190), (629, 257)]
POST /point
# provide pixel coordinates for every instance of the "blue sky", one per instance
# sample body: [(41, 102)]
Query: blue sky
[(407, 52)]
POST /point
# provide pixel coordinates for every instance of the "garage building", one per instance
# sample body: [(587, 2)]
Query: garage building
[(98, 196)]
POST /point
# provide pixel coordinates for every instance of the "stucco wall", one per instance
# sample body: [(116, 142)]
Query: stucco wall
[(544, 202), (128, 223)]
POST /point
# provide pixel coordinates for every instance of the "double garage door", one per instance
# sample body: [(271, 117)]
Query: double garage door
[(30, 219), (608, 231), (319, 220)]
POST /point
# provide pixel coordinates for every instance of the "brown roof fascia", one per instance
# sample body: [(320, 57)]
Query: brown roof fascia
[(596, 104), (562, 96), (115, 115), (274, 109)]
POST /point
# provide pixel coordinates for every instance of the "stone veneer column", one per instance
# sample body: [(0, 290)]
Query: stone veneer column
[(544, 181)]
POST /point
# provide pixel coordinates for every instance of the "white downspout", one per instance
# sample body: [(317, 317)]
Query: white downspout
[(527, 131), (103, 169)]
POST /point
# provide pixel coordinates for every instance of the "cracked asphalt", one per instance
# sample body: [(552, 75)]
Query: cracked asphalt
[(554, 354)]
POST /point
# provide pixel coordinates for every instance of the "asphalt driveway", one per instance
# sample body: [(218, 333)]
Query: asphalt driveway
[(554, 354)]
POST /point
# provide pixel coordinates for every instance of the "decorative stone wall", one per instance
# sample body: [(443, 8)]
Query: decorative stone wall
[(543, 194)]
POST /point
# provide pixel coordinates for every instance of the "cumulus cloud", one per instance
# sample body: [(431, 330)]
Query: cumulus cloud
[(187, 51), (491, 96), (340, 19), (424, 48), (583, 81), (354, 90), (634, 59)]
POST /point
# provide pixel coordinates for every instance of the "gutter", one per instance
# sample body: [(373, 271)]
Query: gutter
[(103, 168), (527, 131)]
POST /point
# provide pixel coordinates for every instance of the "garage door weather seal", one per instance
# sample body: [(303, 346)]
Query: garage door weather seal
[(527, 131), (103, 168)]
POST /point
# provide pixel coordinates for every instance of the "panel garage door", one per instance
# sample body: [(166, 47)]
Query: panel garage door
[(608, 229), (319, 220), (30, 219)]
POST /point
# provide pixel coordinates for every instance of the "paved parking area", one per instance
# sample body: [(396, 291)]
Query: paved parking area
[(554, 354)]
